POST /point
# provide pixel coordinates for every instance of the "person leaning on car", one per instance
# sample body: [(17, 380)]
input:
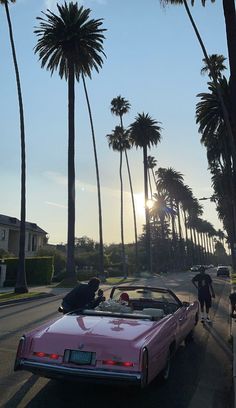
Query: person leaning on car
[(83, 295), (203, 282)]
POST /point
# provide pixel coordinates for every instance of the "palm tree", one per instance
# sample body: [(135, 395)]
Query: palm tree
[(217, 63), (118, 140), (101, 247), (160, 210), (119, 107), (195, 211), (171, 181), (21, 284), (144, 133), (215, 138), (230, 16), (73, 44)]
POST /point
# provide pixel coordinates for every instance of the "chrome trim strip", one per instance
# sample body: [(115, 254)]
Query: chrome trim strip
[(48, 369)]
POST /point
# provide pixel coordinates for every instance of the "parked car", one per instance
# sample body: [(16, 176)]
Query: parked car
[(195, 268), (120, 343), (222, 271)]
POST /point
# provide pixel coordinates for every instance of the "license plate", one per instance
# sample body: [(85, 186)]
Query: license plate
[(80, 357)]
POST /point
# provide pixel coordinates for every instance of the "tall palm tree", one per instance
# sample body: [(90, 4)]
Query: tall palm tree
[(212, 127), (217, 63), (101, 247), (230, 16), (118, 140), (144, 133), (171, 181), (119, 107), (73, 44), (21, 284), (160, 210), (194, 212)]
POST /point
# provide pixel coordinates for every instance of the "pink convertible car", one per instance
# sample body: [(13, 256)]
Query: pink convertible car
[(124, 342)]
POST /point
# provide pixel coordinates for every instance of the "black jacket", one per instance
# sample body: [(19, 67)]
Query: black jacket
[(79, 297)]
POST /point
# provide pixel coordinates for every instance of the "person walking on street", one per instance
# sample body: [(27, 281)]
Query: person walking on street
[(203, 283)]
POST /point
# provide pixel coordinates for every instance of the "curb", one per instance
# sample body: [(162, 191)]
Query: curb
[(29, 299)]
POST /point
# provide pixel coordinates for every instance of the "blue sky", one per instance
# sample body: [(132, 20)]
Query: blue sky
[(154, 61)]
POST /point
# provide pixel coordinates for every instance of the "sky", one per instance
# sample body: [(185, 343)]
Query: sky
[(153, 60)]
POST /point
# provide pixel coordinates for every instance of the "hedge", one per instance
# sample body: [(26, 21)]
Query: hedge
[(39, 270)]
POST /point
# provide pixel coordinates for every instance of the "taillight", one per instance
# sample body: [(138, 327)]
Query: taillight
[(54, 356), (118, 363), (41, 354)]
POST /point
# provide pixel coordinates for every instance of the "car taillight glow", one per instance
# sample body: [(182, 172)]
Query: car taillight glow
[(127, 364), (54, 356), (41, 354), (118, 363)]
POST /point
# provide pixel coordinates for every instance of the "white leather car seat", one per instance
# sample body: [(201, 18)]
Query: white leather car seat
[(155, 313)]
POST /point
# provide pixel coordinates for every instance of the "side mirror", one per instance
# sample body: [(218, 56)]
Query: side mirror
[(185, 304)]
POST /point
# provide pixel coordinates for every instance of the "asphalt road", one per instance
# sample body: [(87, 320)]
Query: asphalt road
[(201, 373)]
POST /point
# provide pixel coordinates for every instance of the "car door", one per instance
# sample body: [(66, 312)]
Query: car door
[(181, 317)]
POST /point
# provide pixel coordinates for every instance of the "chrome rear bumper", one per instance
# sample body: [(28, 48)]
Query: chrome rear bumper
[(78, 374)]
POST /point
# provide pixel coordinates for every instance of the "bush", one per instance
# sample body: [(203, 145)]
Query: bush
[(114, 272), (59, 259), (39, 270)]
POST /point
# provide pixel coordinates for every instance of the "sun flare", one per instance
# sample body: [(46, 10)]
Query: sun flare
[(139, 203)]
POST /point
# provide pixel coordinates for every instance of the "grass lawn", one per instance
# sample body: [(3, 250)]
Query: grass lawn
[(109, 281), (117, 281), (14, 296), (233, 278)]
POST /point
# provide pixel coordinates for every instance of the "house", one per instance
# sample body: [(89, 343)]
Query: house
[(35, 237)]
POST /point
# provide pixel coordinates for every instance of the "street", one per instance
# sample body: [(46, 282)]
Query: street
[(201, 373)]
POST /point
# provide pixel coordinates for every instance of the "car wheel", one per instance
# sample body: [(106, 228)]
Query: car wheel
[(189, 338), (144, 379)]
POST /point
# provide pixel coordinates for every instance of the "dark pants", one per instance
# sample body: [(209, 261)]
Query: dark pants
[(205, 301)]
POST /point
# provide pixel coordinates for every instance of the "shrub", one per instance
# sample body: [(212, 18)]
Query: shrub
[(39, 270)]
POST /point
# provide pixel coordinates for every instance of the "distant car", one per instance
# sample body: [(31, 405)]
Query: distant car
[(195, 268), (123, 344), (222, 271)]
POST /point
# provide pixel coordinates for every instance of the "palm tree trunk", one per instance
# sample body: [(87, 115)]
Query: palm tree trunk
[(150, 184), (153, 175), (21, 284), (70, 263), (134, 213), (147, 215), (193, 245), (101, 248), (122, 218), (230, 15)]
